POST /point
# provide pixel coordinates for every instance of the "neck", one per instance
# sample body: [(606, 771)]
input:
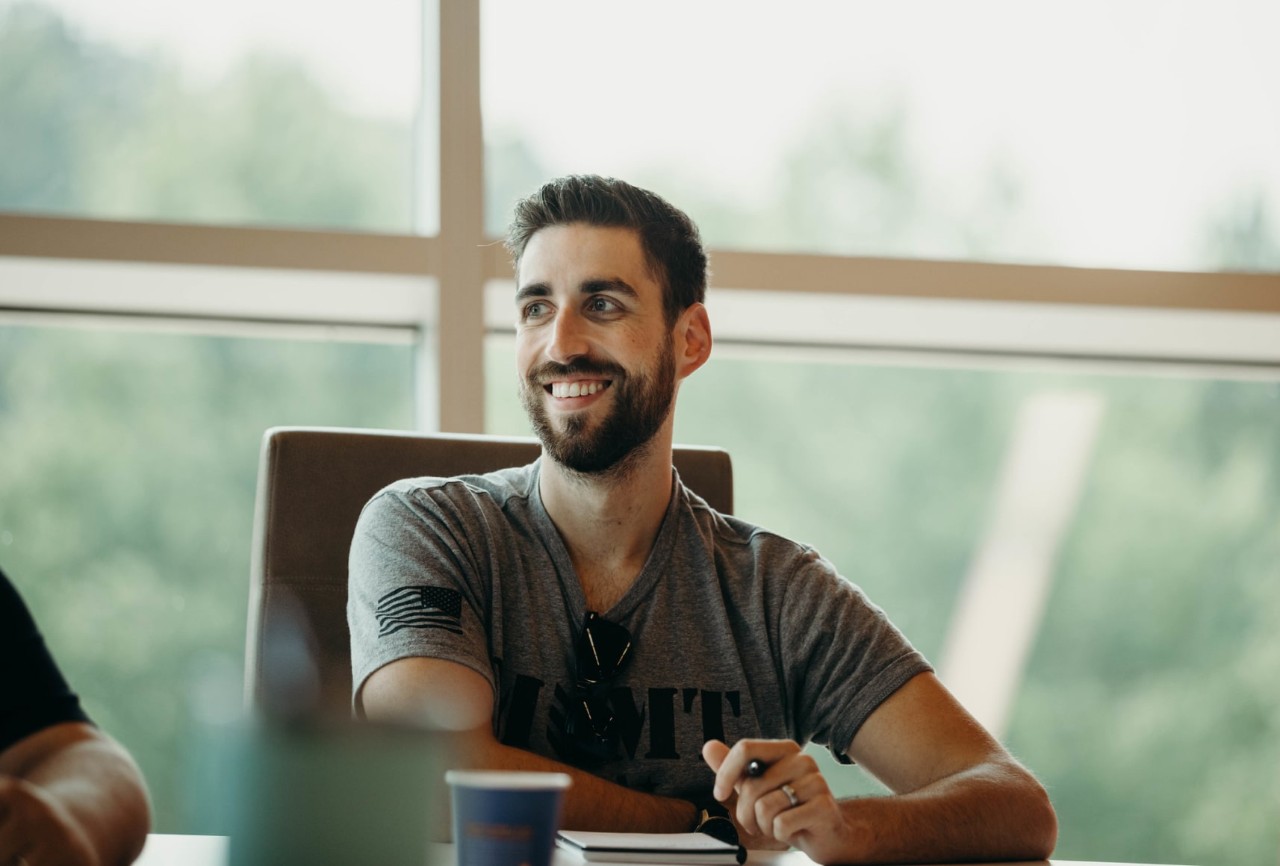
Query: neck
[(609, 521)]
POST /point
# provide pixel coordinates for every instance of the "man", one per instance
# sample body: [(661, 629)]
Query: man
[(69, 794), (590, 614)]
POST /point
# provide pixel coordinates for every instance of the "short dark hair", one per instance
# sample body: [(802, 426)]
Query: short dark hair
[(670, 240)]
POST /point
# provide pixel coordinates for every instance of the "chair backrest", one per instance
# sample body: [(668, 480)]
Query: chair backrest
[(312, 484)]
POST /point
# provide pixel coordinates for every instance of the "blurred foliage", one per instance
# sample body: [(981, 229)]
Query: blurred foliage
[(848, 182), (1244, 236), (128, 496), (92, 131), (127, 502), (1149, 705), (512, 171)]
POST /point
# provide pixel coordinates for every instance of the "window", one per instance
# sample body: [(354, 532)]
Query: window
[(226, 113), (1138, 136), (128, 499)]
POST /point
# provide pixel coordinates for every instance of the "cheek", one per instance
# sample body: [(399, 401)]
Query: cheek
[(640, 343), (526, 354)]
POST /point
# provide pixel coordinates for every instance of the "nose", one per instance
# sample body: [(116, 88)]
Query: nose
[(568, 338)]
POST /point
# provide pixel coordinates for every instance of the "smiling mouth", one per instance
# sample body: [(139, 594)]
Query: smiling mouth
[(562, 390)]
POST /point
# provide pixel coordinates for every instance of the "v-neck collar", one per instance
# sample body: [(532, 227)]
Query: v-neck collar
[(654, 566)]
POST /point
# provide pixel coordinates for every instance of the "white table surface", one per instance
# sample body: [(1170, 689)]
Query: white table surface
[(167, 850)]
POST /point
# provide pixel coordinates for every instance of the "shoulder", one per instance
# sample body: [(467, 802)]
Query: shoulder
[(466, 511), (12, 609), (29, 674), (745, 546), (502, 490)]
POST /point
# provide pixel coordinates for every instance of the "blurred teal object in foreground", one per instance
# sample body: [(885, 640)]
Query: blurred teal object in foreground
[(310, 794)]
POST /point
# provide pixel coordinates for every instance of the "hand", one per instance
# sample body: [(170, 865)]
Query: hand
[(37, 831), (765, 810)]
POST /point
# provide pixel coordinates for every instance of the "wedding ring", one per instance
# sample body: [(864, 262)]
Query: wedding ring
[(791, 795)]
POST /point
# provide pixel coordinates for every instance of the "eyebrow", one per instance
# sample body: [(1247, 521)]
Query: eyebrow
[(588, 287)]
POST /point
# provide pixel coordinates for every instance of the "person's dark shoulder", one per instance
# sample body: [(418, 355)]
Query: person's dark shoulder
[(35, 694), (14, 616)]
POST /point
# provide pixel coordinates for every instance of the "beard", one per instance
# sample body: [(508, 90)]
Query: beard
[(641, 403)]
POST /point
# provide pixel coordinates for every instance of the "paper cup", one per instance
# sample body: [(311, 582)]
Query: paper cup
[(505, 818)]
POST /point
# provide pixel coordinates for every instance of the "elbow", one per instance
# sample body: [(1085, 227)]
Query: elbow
[(134, 814), (142, 818), (1041, 823), (1030, 825), (133, 835)]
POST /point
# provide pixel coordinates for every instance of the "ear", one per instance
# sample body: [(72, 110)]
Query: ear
[(692, 340)]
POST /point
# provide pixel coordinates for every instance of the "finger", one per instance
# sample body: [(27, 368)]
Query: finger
[(788, 769), (732, 765), (793, 825), (745, 813), (768, 807), (714, 752), (744, 750), (733, 770), (815, 811)]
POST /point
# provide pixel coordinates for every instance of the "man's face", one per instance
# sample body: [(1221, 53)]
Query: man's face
[(594, 354)]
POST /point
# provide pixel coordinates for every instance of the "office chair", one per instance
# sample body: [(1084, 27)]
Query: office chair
[(312, 484)]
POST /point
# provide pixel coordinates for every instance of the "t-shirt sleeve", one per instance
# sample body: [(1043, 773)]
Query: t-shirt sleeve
[(35, 693), (418, 581), (842, 655)]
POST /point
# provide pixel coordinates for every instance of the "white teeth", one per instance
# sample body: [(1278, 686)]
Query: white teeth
[(574, 389)]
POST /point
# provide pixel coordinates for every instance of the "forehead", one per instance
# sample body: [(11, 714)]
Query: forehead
[(565, 256)]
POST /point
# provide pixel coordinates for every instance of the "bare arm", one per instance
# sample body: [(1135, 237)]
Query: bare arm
[(957, 794), (69, 794), (412, 689)]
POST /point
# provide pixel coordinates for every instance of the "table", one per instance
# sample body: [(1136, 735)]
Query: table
[(167, 850)]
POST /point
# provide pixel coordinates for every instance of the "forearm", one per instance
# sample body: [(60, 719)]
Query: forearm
[(994, 811), (591, 803), (409, 689), (100, 788)]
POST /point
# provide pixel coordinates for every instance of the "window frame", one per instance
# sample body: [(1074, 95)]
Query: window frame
[(1229, 321)]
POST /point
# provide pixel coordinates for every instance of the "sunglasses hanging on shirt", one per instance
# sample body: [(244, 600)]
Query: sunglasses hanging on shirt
[(602, 651)]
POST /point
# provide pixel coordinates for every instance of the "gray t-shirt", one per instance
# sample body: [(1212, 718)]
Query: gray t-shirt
[(736, 631)]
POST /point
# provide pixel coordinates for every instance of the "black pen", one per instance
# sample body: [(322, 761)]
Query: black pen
[(756, 768)]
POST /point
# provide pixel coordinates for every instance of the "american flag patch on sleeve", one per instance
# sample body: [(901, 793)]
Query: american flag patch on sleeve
[(419, 607)]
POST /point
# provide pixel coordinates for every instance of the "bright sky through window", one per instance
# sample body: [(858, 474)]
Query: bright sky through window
[(1101, 134)]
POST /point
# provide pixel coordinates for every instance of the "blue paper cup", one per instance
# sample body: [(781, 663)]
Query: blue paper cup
[(505, 818)]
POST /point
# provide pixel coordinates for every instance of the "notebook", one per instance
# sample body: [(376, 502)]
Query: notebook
[(675, 848)]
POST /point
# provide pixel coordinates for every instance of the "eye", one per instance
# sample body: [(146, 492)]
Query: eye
[(602, 304), (533, 310)]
